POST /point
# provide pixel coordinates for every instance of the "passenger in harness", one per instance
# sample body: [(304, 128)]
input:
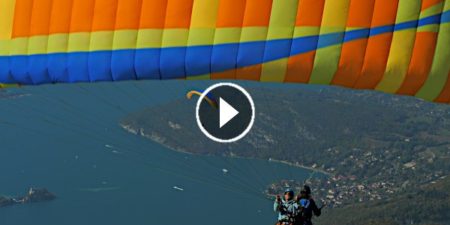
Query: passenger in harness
[(307, 207), (287, 208)]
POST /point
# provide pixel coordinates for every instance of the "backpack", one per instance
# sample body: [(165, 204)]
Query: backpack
[(304, 209)]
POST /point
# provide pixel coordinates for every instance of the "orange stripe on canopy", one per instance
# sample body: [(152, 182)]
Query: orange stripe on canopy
[(444, 97), (385, 12), (360, 13), (128, 14), (421, 61), (352, 55), (40, 18), (61, 15), (178, 14), (310, 12), (257, 13), (300, 67), (429, 3), (231, 13), (104, 15), (229, 74), (82, 14), (378, 47), (153, 14), (22, 18)]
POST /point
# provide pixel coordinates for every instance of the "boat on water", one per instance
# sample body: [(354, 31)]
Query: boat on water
[(178, 188)]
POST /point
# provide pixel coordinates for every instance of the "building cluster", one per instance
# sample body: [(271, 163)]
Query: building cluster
[(366, 176)]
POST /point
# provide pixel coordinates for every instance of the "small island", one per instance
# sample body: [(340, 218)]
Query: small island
[(34, 195)]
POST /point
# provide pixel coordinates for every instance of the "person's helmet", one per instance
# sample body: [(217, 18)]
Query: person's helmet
[(289, 191), (306, 189)]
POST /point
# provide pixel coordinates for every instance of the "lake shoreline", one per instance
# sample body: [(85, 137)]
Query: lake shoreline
[(160, 140), (301, 166)]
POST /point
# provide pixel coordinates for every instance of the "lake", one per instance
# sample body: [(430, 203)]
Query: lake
[(66, 138)]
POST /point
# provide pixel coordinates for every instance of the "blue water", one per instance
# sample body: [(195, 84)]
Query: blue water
[(66, 138)]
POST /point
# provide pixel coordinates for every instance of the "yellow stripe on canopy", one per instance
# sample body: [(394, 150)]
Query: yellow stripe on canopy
[(441, 65), (6, 24), (327, 59), (6, 18), (281, 26), (401, 48)]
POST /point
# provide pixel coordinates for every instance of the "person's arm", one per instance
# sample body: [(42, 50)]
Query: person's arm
[(317, 211), (277, 204)]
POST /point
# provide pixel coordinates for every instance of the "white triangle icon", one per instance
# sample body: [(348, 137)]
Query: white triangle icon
[(227, 112)]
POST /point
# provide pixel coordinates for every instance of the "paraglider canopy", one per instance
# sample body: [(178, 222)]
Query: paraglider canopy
[(209, 97), (398, 47)]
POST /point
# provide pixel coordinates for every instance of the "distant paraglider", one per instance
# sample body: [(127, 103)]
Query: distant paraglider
[(209, 97)]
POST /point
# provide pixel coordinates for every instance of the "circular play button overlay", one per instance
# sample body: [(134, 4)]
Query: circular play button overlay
[(225, 112)]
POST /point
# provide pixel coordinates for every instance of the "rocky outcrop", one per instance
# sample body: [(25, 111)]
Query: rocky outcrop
[(6, 201), (34, 195), (37, 195)]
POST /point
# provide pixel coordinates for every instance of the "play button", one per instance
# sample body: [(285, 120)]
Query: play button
[(232, 116), (226, 112)]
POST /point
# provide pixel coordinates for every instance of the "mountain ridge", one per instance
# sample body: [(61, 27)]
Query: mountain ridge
[(374, 146)]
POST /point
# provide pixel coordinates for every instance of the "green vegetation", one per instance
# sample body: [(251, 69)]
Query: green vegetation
[(429, 204), (378, 148)]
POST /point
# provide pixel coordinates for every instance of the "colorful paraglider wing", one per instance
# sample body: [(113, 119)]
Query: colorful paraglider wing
[(208, 97), (394, 46)]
